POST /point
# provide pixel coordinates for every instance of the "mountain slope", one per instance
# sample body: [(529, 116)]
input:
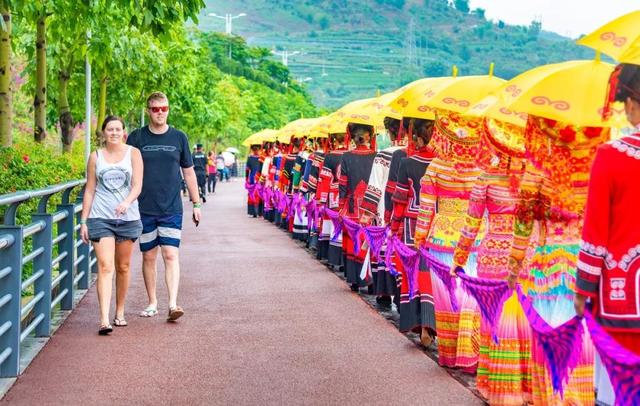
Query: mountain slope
[(352, 48)]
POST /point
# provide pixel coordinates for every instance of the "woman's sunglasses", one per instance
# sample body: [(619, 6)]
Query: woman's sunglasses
[(164, 109)]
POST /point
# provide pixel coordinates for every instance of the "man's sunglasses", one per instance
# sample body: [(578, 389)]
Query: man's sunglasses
[(164, 109)]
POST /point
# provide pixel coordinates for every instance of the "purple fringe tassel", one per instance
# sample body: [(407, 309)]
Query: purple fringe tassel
[(561, 346), (622, 365), (490, 294)]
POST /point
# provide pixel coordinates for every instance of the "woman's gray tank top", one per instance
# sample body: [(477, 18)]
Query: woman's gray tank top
[(113, 185)]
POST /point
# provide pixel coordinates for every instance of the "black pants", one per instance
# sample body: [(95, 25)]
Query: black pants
[(212, 179), (201, 177)]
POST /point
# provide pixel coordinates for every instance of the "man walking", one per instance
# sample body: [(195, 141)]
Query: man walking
[(200, 168), (165, 152)]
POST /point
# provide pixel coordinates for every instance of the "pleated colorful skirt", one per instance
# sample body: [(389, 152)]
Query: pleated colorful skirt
[(458, 332), (504, 367), (553, 272)]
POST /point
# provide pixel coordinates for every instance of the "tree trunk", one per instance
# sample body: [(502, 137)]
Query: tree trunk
[(102, 106), (66, 120), (6, 80), (40, 101)]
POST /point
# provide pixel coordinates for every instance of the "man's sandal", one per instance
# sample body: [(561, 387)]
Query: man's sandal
[(149, 312), (120, 322), (175, 313), (105, 330)]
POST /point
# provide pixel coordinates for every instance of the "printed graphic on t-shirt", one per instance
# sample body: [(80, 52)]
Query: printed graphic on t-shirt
[(156, 148), (115, 179)]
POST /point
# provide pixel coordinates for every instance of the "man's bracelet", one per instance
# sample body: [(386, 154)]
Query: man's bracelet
[(197, 205), (83, 221)]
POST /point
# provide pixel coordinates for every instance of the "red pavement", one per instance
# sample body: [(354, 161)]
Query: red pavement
[(265, 324)]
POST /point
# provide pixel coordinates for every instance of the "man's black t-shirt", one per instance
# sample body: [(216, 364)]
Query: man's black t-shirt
[(163, 155), (199, 162)]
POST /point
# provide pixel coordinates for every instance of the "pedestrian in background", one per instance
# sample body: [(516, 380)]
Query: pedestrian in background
[(212, 172)]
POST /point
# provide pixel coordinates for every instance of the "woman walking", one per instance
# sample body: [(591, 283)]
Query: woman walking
[(608, 270), (110, 218)]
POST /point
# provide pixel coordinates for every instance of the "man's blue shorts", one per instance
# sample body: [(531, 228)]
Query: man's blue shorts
[(160, 230)]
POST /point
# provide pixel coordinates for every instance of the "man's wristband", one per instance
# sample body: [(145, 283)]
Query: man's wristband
[(197, 205), (83, 221)]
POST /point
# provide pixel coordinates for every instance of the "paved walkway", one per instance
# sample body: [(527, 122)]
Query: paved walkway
[(265, 324)]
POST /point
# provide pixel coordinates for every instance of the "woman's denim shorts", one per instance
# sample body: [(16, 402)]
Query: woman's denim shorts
[(118, 229)]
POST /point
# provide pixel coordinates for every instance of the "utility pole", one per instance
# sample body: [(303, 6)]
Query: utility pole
[(410, 46)]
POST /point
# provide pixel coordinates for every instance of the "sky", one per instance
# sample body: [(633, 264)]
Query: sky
[(570, 18)]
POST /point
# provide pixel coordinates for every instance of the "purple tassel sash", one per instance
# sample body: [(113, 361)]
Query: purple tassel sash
[(297, 201), (388, 255), (353, 229), (442, 272), (251, 188), (312, 214), (622, 365), (561, 346), (375, 237), (410, 259), (490, 294), (336, 219)]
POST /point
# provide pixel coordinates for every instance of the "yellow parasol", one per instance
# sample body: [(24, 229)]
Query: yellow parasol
[(266, 135), (572, 92), (494, 105), (296, 129), (421, 98), (370, 111), (620, 38)]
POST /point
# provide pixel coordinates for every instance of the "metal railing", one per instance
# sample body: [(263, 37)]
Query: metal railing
[(53, 281)]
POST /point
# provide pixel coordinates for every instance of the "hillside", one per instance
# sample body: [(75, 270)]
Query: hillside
[(352, 48)]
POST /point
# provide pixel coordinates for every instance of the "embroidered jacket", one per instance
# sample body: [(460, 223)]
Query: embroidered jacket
[(253, 169), (355, 170), (382, 180), (406, 197), (328, 184), (609, 259), (317, 160), (444, 200)]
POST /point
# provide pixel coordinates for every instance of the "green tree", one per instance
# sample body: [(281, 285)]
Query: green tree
[(324, 22), (462, 5), (6, 91)]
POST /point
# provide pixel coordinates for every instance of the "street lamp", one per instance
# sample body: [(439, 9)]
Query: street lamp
[(285, 55), (228, 20)]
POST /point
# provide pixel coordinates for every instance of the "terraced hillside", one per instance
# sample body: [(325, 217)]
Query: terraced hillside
[(350, 49)]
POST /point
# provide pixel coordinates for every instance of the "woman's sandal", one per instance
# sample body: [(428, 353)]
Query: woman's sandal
[(149, 312), (120, 322), (105, 330), (175, 313)]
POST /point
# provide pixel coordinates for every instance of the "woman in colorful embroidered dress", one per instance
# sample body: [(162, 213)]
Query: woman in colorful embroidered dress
[(314, 166), (553, 192), (377, 205), (330, 248), (608, 272), (267, 181), (354, 175), (503, 376), (444, 200), (419, 311), (276, 172), (252, 175)]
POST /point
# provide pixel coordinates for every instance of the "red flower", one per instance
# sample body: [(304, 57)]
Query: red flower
[(567, 134), (592, 132), (26, 159)]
